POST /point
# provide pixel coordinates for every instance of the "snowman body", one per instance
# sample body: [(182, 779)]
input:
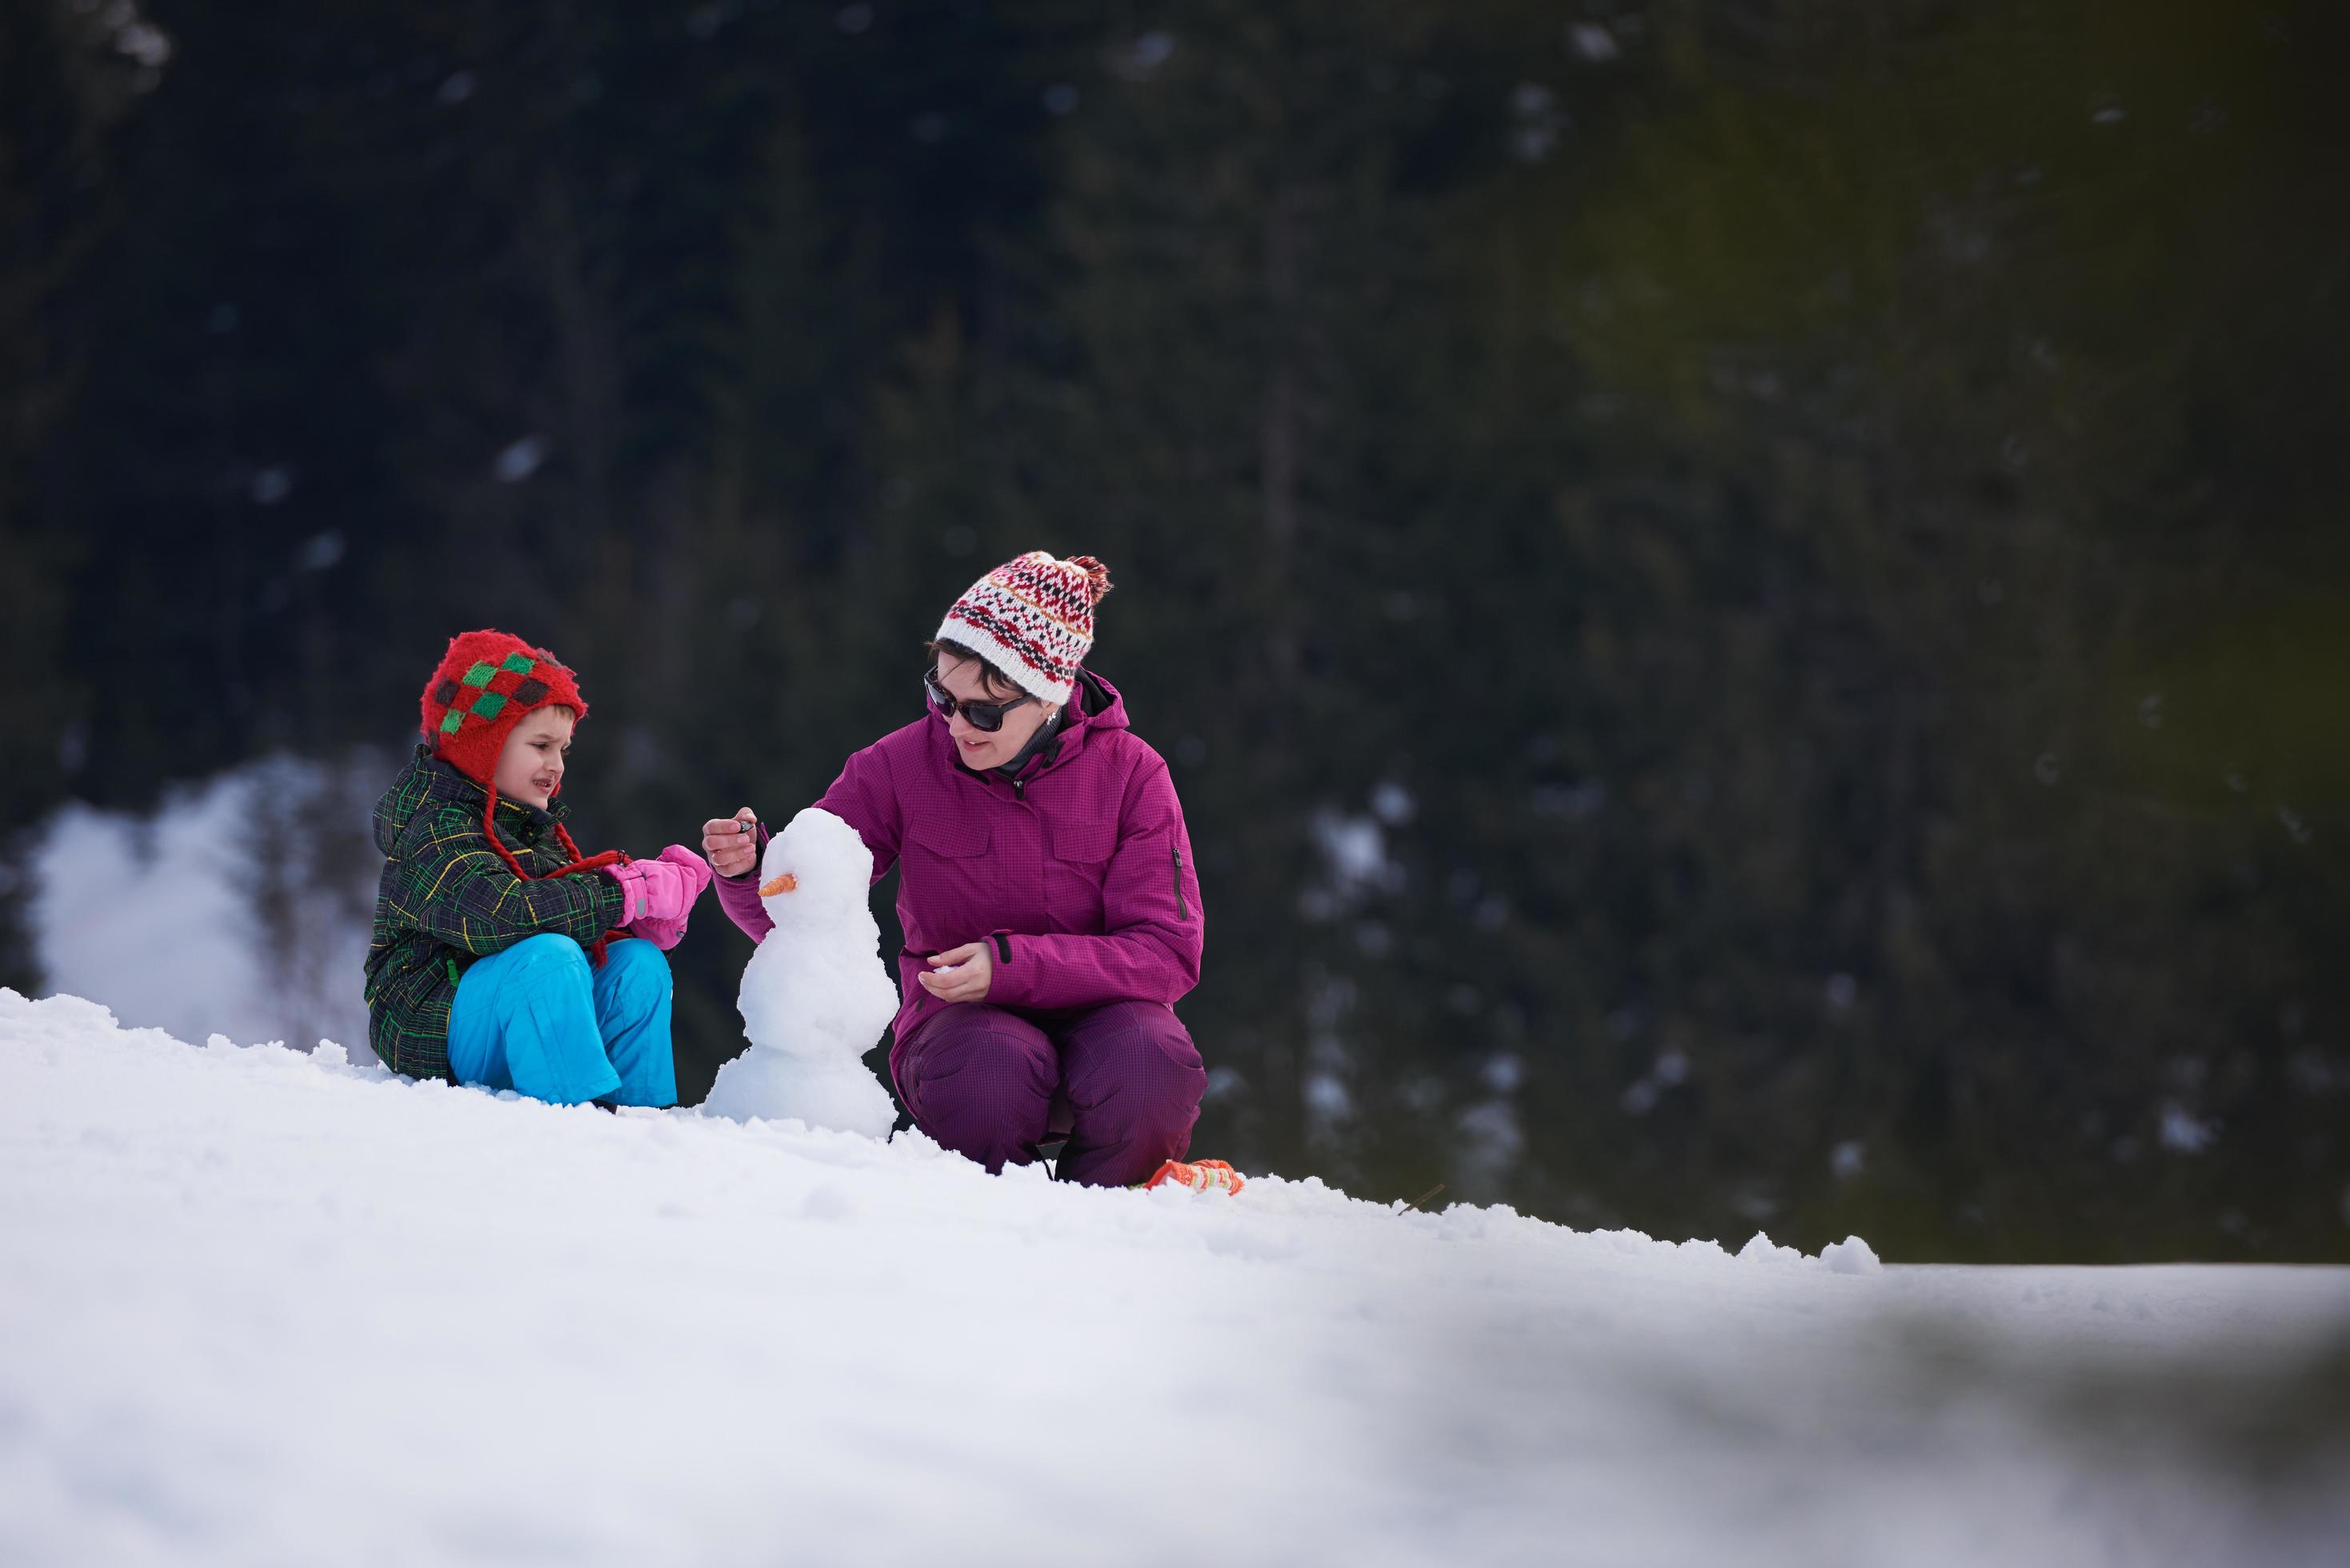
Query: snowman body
[(816, 996)]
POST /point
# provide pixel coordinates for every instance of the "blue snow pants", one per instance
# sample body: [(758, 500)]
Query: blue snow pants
[(537, 1020)]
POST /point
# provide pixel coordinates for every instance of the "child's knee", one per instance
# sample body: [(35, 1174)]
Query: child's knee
[(638, 965), (549, 951), (546, 962), (634, 955), (634, 985)]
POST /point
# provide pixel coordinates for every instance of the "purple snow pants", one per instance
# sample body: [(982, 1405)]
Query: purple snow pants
[(1122, 1080)]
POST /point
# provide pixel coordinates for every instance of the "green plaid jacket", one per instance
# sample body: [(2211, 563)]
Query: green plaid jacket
[(446, 899)]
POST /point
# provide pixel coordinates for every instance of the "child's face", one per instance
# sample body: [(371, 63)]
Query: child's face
[(530, 766)]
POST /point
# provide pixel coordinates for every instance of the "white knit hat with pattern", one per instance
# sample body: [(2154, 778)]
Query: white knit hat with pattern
[(1033, 618)]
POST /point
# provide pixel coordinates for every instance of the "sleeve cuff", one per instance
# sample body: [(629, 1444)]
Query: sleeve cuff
[(1011, 977)]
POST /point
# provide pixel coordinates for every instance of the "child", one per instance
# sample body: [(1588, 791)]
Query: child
[(497, 958)]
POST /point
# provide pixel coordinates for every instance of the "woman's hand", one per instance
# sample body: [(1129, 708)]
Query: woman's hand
[(731, 843), (960, 974)]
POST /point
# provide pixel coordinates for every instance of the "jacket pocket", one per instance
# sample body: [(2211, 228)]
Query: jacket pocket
[(1084, 843), (948, 837), (950, 880), (1074, 873)]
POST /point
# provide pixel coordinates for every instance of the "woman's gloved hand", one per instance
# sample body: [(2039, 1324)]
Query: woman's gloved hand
[(659, 894)]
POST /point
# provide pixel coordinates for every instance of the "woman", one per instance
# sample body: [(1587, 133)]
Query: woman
[(1051, 911)]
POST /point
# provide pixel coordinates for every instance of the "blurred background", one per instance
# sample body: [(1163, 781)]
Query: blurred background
[(1747, 598)]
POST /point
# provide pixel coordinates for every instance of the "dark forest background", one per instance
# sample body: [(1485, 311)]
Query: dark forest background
[(1748, 599)]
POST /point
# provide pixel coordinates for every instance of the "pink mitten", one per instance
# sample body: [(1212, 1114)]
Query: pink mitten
[(658, 895)]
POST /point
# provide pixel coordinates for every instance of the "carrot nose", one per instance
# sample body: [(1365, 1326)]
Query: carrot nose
[(783, 884)]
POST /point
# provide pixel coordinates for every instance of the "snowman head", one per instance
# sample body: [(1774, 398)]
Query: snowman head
[(816, 871)]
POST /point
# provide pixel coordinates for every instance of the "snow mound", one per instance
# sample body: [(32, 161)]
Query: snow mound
[(258, 1306)]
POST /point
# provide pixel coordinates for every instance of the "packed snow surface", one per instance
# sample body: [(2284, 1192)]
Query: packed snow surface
[(264, 1307)]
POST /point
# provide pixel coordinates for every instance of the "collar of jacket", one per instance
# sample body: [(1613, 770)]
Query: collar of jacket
[(1043, 747)]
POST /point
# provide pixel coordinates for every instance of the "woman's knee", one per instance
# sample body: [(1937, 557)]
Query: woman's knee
[(1000, 1061), (981, 1081), (1135, 1083), (1125, 1045), (972, 1031)]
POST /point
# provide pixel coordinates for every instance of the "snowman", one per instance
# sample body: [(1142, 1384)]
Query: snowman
[(815, 996)]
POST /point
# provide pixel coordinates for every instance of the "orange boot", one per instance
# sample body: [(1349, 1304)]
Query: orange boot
[(1199, 1175)]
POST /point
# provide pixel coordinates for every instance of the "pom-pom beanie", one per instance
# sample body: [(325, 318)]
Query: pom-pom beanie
[(1033, 618)]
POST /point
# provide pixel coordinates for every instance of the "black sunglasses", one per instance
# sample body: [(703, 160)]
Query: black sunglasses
[(985, 717)]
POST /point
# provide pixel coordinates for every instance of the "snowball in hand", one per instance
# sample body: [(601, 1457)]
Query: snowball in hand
[(816, 996)]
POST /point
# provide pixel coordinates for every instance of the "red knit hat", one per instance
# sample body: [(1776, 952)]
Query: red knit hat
[(486, 683), (1033, 618)]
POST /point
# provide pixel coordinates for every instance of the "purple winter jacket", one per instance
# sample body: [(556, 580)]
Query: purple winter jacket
[(1080, 871)]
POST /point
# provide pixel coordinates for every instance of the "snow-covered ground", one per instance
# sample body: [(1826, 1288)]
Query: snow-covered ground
[(262, 1307)]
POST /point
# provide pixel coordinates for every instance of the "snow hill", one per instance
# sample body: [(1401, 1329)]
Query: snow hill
[(262, 1307)]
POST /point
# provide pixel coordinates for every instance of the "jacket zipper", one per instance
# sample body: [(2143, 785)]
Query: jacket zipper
[(1182, 910)]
